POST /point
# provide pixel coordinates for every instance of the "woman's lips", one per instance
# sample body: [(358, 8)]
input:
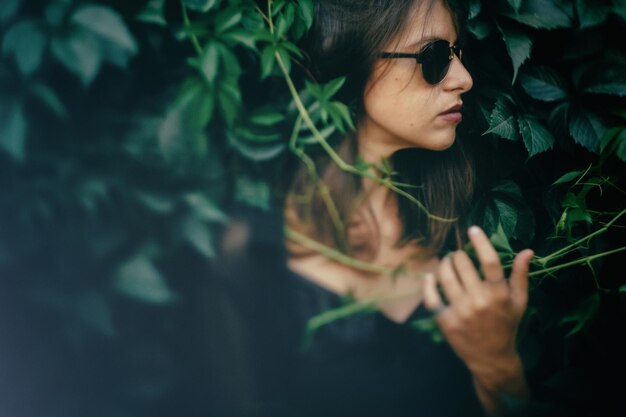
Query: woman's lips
[(455, 116)]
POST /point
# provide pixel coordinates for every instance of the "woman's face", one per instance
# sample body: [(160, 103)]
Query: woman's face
[(402, 110)]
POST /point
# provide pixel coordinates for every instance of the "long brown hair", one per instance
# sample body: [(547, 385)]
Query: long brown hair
[(345, 40)]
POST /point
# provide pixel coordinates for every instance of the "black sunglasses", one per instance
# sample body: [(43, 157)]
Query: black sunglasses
[(435, 59)]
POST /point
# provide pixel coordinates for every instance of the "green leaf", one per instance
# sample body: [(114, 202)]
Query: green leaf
[(541, 14), (536, 137), (614, 140), (515, 4), (615, 88), (8, 8), (619, 8), (569, 177), (558, 120), (285, 58), (205, 209), (503, 121), (153, 12), (252, 193), (591, 13), (12, 130), (266, 117), (474, 9), (500, 242), (543, 83), (210, 62), (306, 9), (227, 19), (267, 61), (49, 98), (229, 60), (518, 44), (229, 100), (241, 37), (200, 5), (622, 288), (480, 28), (106, 23), (26, 41), (586, 128), (79, 54), (139, 278), (331, 88), (582, 314), (199, 236)]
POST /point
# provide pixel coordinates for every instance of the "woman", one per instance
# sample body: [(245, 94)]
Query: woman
[(405, 82)]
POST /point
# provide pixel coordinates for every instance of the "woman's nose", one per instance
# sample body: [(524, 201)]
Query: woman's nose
[(458, 78)]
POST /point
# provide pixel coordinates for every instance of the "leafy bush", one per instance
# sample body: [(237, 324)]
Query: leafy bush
[(127, 127)]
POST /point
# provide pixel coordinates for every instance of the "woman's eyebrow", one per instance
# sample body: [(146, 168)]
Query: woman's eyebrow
[(417, 45)]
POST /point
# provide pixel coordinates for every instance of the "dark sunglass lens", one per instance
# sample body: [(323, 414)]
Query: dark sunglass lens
[(435, 61)]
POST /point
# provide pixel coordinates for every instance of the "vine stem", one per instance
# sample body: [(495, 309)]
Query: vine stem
[(563, 251), (576, 262), (335, 254), (322, 187), (187, 25)]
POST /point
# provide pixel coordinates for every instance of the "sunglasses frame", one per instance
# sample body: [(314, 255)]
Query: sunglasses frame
[(419, 56)]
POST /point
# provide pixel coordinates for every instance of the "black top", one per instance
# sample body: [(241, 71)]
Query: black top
[(361, 365)]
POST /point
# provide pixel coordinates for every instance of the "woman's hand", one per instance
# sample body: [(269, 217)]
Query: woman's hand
[(482, 318)]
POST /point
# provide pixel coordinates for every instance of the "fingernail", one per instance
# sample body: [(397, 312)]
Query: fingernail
[(473, 230)]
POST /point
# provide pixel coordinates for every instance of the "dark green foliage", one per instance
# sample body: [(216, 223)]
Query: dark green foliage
[(127, 127)]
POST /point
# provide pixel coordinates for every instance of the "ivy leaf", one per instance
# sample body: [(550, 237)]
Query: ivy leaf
[(536, 137), (106, 23), (586, 128), (480, 28), (518, 45), (49, 98), (615, 88), (79, 54), (267, 61), (502, 121), (582, 314), (501, 244), (153, 12), (591, 13), (306, 10), (619, 8), (210, 62), (200, 5), (558, 120), (139, 278), (253, 193), (515, 4), (26, 41), (227, 19), (12, 129), (199, 236), (543, 83), (541, 14), (205, 209), (266, 117), (569, 177), (614, 140), (8, 9)]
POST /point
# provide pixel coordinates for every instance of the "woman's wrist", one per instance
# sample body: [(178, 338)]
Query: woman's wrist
[(503, 378)]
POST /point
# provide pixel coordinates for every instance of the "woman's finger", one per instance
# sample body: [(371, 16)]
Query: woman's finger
[(487, 255), (519, 277), (449, 281), (432, 299), (467, 272)]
